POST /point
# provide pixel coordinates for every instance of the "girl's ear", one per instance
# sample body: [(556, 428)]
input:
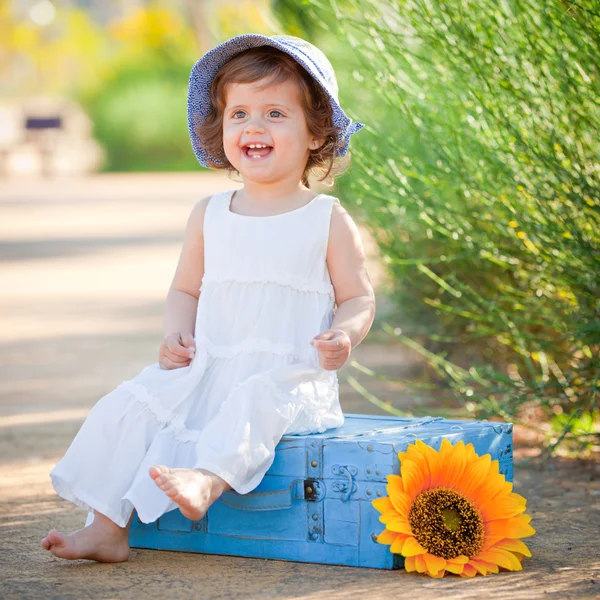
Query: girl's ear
[(317, 143)]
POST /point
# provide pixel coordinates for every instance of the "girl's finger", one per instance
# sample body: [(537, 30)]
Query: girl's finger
[(333, 353), (176, 348), (330, 346), (165, 363), (168, 364), (176, 358), (188, 341), (330, 366)]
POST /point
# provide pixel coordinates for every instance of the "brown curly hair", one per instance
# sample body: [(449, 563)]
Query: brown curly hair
[(277, 66)]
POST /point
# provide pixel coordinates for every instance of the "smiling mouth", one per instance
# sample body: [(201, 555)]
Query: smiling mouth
[(257, 152)]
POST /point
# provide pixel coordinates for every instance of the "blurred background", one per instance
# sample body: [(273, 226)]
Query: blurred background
[(475, 183)]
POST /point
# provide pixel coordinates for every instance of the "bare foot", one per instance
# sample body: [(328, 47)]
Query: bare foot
[(193, 490), (102, 540)]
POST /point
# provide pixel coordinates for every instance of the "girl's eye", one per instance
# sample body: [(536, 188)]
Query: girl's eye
[(277, 114)]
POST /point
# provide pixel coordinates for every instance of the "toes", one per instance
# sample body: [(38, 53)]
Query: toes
[(166, 486), (164, 483), (55, 537), (156, 471)]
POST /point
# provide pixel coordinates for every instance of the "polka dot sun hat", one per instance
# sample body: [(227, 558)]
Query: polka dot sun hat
[(309, 56)]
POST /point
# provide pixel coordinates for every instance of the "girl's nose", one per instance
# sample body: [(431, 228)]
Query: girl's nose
[(254, 126)]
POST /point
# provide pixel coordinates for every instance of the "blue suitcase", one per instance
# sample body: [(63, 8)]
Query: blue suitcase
[(314, 503)]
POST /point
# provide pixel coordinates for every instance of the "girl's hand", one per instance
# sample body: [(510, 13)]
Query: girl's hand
[(176, 351), (334, 347)]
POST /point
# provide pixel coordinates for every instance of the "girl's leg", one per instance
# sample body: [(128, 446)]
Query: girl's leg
[(103, 540)]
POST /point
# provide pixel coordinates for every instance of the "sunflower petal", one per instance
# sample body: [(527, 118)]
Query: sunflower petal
[(412, 547), (412, 478), (474, 476), (401, 504), (383, 505), (492, 485), (505, 489), (397, 523), (437, 575), (434, 460), (492, 568), (460, 559), (394, 482), (409, 564), (435, 564), (468, 571), (479, 566), (513, 546), (398, 544), (519, 498), (502, 558), (470, 452), (417, 453), (387, 537), (455, 568), (420, 563), (456, 461), (445, 447), (400, 501), (500, 508), (489, 541), (516, 527)]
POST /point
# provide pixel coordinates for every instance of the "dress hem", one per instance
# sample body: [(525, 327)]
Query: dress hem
[(83, 500)]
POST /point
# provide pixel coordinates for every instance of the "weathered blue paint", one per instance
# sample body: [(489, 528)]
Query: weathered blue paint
[(314, 503)]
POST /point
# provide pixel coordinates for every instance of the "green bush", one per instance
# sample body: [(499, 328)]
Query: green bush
[(140, 118), (479, 175)]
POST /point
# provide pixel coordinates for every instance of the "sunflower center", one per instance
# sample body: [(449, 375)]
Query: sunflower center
[(446, 523), (451, 519)]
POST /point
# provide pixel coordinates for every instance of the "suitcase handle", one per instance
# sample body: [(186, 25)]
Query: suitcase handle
[(270, 500)]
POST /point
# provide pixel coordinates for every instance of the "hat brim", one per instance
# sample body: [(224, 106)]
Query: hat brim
[(205, 70)]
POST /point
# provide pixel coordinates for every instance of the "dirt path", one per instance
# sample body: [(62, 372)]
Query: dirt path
[(85, 266)]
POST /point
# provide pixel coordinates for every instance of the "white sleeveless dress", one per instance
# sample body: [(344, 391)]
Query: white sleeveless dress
[(266, 292)]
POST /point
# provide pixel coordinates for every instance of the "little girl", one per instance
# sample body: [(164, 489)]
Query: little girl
[(253, 337)]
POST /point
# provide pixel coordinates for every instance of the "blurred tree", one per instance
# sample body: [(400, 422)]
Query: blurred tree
[(139, 109), (231, 18), (52, 56), (198, 13)]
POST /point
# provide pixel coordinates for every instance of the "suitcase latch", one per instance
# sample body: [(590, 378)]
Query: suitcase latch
[(313, 490)]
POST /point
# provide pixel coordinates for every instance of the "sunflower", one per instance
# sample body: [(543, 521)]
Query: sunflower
[(453, 511)]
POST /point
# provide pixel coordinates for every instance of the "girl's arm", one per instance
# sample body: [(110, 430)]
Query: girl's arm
[(346, 262), (182, 299), (353, 292)]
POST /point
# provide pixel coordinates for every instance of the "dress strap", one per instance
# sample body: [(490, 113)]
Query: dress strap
[(217, 204), (320, 219)]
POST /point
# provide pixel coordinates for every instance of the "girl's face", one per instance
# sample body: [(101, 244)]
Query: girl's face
[(271, 116)]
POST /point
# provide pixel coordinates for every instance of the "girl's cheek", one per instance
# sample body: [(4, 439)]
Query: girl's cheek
[(230, 141)]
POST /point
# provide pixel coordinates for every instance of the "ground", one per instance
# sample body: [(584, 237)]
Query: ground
[(85, 265)]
